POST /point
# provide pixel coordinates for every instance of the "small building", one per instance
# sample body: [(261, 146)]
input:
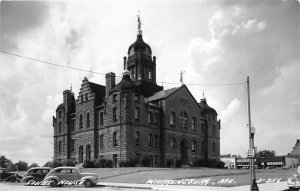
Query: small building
[(229, 162)]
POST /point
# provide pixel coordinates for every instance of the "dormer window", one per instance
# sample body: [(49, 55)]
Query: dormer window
[(115, 98), (150, 74)]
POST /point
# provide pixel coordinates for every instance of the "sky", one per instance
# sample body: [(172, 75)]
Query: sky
[(214, 42)]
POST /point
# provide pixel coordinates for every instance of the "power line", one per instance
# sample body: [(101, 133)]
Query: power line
[(90, 71), (63, 66)]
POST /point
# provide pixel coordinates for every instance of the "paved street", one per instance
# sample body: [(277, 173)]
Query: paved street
[(281, 186)]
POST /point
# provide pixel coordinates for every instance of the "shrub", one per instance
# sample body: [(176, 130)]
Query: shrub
[(212, 163), (146, 161), (127, 163), (169, 162), (69, 162), (109, 163), (89, 164), (179, 163)]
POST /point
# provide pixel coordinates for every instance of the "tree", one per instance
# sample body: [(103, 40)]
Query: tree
[(33, 165), (4, 162), (22, 165), (266, 153)]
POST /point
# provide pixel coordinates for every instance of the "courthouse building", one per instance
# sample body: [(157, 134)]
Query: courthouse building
[(135, 118)]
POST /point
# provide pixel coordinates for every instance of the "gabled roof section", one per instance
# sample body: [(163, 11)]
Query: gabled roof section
[(97, 88), (163, 94), (99, 91)]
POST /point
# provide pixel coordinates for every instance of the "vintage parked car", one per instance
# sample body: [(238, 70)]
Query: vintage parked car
[(67, 175), (294, 181), (5, 175), (36, 174)]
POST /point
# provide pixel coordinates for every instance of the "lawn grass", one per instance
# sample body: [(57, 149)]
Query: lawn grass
[(217, 177)]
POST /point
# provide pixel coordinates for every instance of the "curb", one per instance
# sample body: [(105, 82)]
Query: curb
[(121, 185)]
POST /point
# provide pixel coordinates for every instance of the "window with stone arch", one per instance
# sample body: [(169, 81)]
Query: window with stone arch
[(101, 141), (59, 127), (137, 138), (88, 120), (115, 139), (214, 147), (88, 152), (173, 142), (80, 121), (59, 147), (194, 124), (172, 118), (184, 119), (194, 146)]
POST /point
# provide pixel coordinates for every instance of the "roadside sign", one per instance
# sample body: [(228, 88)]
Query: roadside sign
[(250, 153)]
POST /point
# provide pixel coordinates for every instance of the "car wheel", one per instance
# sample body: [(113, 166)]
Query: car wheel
[(53, 183), (88, 183)]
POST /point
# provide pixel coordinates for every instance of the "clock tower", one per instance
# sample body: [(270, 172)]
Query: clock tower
[(142, 65)]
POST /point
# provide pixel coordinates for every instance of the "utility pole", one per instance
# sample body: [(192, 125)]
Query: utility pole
[(253, 185)]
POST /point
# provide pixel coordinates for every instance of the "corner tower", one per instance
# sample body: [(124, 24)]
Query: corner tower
[(142, 65)]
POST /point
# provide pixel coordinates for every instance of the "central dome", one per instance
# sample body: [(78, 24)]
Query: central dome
[(139, 46)]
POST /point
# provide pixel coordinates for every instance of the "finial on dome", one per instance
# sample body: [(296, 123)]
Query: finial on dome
[(181, 77), (204, 98), (140, 33), (126, 71)]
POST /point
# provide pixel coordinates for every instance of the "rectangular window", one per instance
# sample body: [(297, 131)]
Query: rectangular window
[(156, 160), (86, 97), (81, 98), (137, 114), (150, 141), (73, 125), (115, 98), (156, 141), (101, 118), (155, 118), (114, 114), (73, 146)]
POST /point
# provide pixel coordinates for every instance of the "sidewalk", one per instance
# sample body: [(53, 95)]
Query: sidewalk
[(262, 187)]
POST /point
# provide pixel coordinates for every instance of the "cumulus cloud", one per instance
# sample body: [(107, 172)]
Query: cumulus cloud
[(230, 110), (253, 40)]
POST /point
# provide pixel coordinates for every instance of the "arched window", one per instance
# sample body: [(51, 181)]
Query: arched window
[(80, 121), (115, 141), (184, 119), (59, 147), (88, 152), (194, 146), (59, 127), (80, 154), (214, 147), (194, 124), (88, 120), (172, 118), (137, 138), (173, 142), (101, 141)]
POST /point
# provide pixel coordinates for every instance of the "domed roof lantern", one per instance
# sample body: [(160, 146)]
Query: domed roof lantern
[(139, 44)]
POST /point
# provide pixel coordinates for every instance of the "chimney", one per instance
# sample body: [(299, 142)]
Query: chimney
[(110, 82), (67, 100)]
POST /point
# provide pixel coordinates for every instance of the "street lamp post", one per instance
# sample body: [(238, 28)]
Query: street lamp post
[(253, 185)]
